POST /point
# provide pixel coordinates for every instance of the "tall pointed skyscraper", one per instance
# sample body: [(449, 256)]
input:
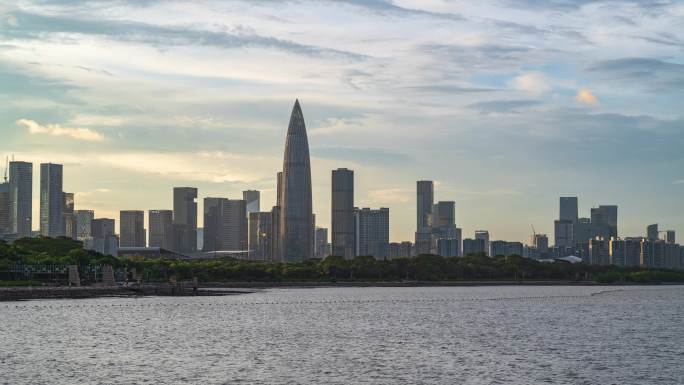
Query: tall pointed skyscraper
[(296, 225)]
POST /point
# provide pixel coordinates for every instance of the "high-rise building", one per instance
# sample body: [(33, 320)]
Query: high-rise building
[(605, 216), (275, 234), (443, 214), (296, 206), (51, 200), (253, 198), (473, 246), (585, 229), (260, 227), (568, 209), (4, 209), (70, 225), (372, 232), (448, 247), (652, 253), (484, 235), (625, 252), (321, 242), (185, 219), (401, 250), (425, 197), (279, 188), (599, 252), (342, 223), (652, 232), (225, 225), (21, 198), (132, 228), (104, 239), (160, 228), (84, 222), (505, 248), (670, 236), (563, 233)]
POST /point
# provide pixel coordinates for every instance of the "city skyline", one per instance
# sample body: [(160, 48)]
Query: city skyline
[(480, 101)]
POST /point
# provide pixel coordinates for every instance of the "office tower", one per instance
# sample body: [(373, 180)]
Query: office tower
[(443, 214), (585, 229), (425, 240), (51, 200), (670, 236), (275, 234), (342, 223), (4, 209), (563, 233), (279, 188), (484, 235), (104, 239), (69, 217), (253, 198), (652, 232), (515, 248), (160, 228), (568, 209), (401, 250), (497, 248), (505, 248), (296, 207), (260, 227), (184, 219), (423, 244), (131, 228), (372, 232), (21, 198), (604, 219), (448, 247), (225, 225), (321, 242), (473, 246), (84, 221), (425, 197)]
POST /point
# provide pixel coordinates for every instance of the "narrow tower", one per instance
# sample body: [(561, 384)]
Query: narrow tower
[(296, 225)]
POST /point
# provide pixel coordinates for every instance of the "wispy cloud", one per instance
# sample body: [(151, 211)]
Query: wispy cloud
[(535, 83), (678, 181), (78, 133), (585, 96)]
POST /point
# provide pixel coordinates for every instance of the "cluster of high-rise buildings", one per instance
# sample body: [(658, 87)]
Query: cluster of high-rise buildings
[(287, 232), (596, 240)]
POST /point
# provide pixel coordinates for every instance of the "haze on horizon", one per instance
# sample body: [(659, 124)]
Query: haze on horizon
[(506, 104)]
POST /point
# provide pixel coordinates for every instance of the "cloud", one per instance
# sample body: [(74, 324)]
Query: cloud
[(678, 181), (391, 195), (56, 130), (585, 96), (644, 72), (502, 106), (35, 26), (535, 83)]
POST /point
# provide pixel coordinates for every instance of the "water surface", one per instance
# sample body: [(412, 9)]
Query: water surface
[(436, 335)]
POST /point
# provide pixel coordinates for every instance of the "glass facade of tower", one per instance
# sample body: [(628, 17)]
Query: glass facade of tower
[(296, 225)]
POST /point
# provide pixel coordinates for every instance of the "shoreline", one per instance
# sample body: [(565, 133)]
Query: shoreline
[(23, 293)]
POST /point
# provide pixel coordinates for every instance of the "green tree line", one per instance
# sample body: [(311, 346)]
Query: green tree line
[(65, 251)]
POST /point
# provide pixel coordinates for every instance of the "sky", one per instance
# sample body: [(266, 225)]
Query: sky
[(505, 104)]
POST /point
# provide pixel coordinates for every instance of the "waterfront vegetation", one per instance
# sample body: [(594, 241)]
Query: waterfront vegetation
[(65, 251)]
